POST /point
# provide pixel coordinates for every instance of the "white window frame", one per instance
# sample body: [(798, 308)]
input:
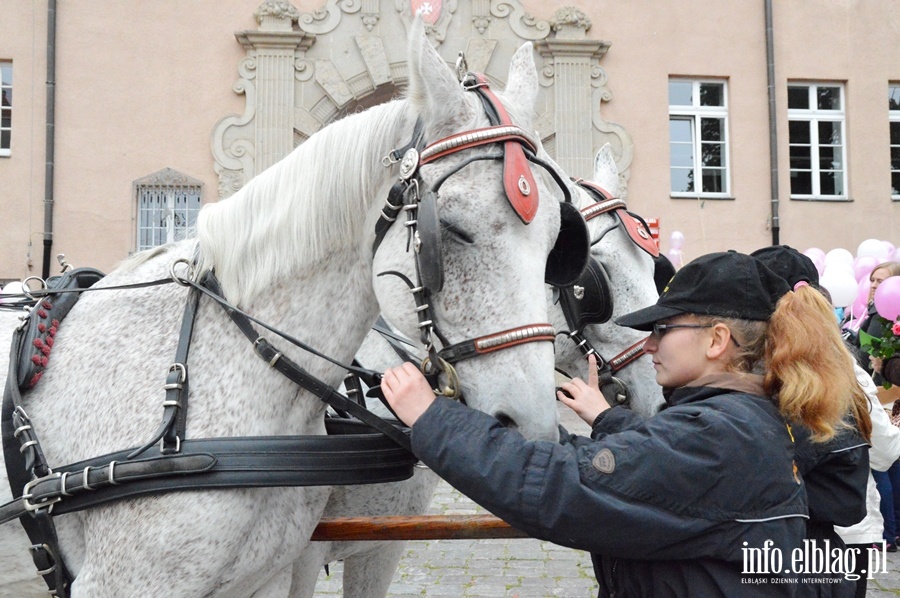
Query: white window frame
[(6, 151), (155, 225), (894, 121), (814, 116), (694, 114)]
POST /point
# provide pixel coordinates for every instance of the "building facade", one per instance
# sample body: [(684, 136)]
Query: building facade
[(734, 123)]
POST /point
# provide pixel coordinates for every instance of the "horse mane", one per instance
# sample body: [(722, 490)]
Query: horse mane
[(302, 208)]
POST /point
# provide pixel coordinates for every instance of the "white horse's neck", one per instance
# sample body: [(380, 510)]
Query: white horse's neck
[(303, 208)]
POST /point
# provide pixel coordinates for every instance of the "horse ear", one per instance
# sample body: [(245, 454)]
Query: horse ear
[(522, 80), (606, 173), (434, 91)]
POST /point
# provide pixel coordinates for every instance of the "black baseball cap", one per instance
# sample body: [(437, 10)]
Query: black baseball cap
[(788, 263), (726, 284)]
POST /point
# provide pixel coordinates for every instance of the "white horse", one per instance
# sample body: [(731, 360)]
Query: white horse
[(294, 248), (369, 566)]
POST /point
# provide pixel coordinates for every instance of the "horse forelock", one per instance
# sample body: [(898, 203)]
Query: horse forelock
[(302, 208)]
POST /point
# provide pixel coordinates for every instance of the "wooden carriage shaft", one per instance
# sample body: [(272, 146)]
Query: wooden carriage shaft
[(415, 527)]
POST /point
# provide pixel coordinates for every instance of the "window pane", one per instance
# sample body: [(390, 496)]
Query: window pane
[(798, 97), (682, 154), (831, 183), (682, 180), (4, 139), (828, 98), (831, 158), (711, 129), (895, 133), (6, 74), (895, 158), (712, 180), (712, 154), (895, 183), (680, 130), (829, 132), (800, 157), (894, 97), (7, 98), (799, 131), (6, 119), (712, 94), (801, 182), (681, 93)]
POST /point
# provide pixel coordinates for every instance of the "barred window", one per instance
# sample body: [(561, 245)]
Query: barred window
[(167, 207), (698, 138), (6, 95), (816, 136), (894, 112)]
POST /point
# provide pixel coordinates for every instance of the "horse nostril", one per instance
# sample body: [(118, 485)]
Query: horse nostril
[(506, 421)]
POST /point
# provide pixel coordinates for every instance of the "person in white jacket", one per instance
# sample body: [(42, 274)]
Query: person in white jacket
[(884, 451)]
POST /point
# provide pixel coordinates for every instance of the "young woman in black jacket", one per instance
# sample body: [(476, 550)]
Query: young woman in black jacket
[(702, 499)]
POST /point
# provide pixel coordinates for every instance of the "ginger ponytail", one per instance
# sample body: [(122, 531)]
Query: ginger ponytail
[(809, 369)]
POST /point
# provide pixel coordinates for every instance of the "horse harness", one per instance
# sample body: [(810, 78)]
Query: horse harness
[(589, 300), (370, 450)]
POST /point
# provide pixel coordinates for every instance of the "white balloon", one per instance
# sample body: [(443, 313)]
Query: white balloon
[(838, 255), (11, 288), (841, 285), (677, 240), (841, 268), (873, 248)]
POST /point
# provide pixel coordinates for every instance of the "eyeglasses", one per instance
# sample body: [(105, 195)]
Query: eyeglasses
[(660, 329)]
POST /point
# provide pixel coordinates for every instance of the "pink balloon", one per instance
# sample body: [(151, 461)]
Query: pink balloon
[(813, 251), (890, 248), (676, 258), (887, 298), (859, 305), (863, 266)]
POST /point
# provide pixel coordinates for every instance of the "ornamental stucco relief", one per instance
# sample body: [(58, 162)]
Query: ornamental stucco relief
[(294, 85)]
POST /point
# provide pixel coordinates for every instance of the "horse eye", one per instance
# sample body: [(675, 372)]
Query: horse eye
[(456, 232)]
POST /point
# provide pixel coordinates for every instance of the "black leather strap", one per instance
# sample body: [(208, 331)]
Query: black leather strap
[(276, 359), (352, 453)]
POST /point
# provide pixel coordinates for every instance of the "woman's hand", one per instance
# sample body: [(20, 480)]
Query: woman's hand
[(876, 363), (586, 399), (407, 392)]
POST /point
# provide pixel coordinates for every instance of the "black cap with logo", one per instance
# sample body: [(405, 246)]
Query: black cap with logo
[(726, 284)]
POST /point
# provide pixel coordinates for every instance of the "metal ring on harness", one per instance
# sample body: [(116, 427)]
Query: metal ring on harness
[(28, 291), (451, 390), (183, 281)]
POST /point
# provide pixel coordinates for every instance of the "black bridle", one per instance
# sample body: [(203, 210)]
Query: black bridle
[(613, 388), (406, 195)]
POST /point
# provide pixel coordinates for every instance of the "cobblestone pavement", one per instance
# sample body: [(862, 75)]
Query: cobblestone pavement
[(514, 568)]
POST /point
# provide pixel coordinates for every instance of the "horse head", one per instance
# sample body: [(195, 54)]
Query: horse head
[(481, 244), (618, 280)]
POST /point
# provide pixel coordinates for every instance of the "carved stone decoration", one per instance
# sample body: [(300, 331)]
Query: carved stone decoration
[(523, 24), (327, 18), (167, 177), (302, 71), (439, 15), (570, 23), (276, 15), (370, 13), (248, 144), (571, 66), (481, 15)]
